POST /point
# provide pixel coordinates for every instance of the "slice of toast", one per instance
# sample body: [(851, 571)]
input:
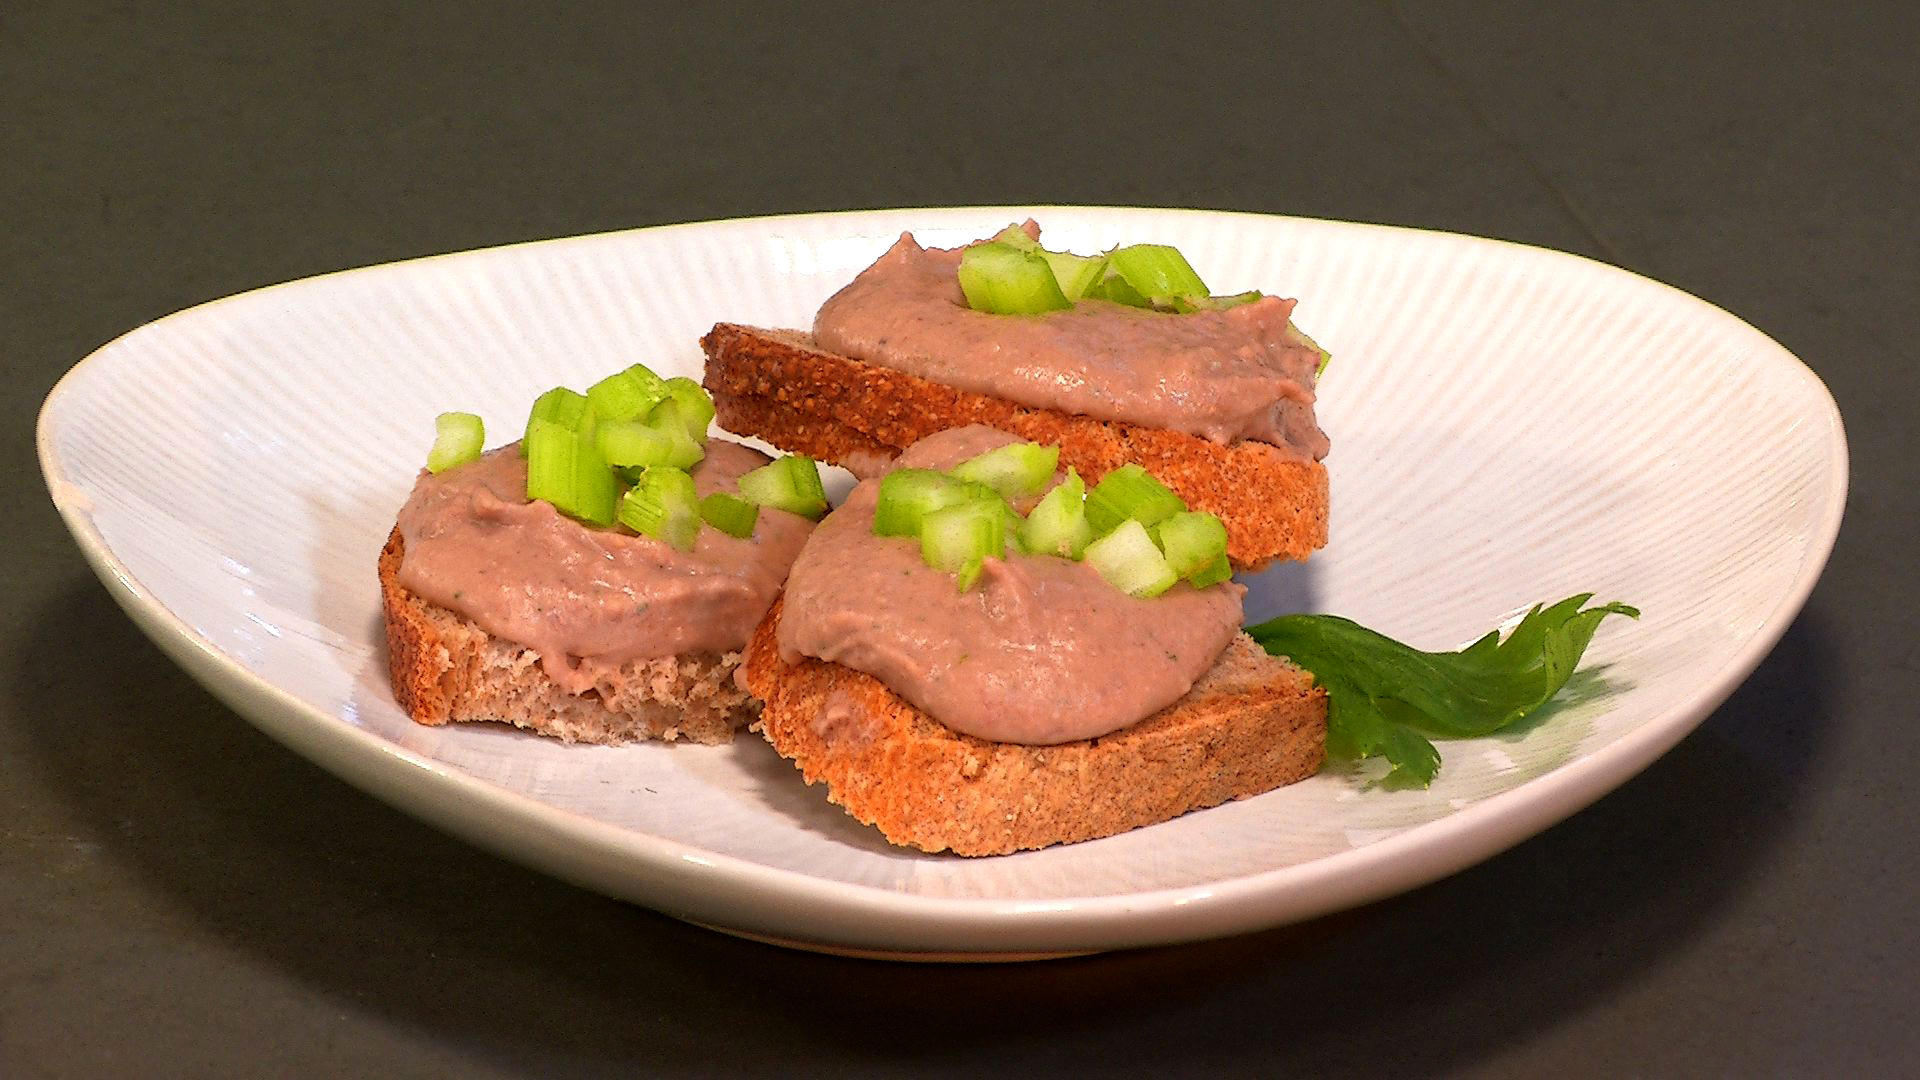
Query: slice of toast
[(1251, 724), (445, 667), (775, 384)]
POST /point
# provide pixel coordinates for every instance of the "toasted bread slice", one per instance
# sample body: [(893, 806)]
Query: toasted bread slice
[(775, 384), (445, 667), (1251, 724)]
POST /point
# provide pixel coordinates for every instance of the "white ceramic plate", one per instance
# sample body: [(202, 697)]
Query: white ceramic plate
[(1509, 425)]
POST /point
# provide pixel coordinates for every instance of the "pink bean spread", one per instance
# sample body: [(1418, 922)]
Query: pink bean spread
[(589, 599), (1242, 373), (1041, 650)]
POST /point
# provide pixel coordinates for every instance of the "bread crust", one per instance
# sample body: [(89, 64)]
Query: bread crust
[(777, 385), (446, 668), (1253, 723)]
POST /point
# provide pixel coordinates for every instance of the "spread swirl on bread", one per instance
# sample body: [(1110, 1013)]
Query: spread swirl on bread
[(613, 603), (1041, 705), (1218, 404)]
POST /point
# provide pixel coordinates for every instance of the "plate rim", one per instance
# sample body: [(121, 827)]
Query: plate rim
[(686, 881)]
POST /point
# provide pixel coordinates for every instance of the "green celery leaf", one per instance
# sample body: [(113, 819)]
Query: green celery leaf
[(1384, 697), (1413, 758)]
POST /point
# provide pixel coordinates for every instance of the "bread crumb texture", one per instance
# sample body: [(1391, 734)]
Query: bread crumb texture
[(446, 668)]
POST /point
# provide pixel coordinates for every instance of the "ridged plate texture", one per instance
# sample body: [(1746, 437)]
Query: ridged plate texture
[(1509, 426)]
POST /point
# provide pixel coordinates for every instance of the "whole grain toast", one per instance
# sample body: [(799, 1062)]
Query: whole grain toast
[(446, 668), (1251, 724), (777, 385)]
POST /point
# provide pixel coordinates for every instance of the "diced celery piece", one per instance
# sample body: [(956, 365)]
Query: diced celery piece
[(673, 485), (630, 443), (626, 395), (1213, 573), (1013, 470), (1192, 540), (672, 412), (696, 408), (458, 438), (669, 419), (1057, 525), (1113, 287), (1187, 305), (1010, 522), (565, 468), (1130, 492), (730, 514), (791, 483), (1157, 272), (560, 406), (1075, 274), (664, 506), (968, 573), (1015, 236), (1130, 562), (1004, 280), (962, 534), (1300, 335), (908, 495)]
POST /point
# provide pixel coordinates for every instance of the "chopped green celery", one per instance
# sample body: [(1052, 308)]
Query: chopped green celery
[(664, 506), (792, 484), (696, 408), (1157, 272), (969, 573), (626, 395), (1113, 287), (1004, 280), (1013, 470), (1325, 356), (908, 495), (669, 419), (730, 514), (956, 538), (630, 443), (457, 439), (1058, 524), (1192, 541), (1130, 492), (1186, 305), (1010, 522), (1015, 236), (1213, 573), (565, 468), (1075, 274), (560, 406), (1130, 562)]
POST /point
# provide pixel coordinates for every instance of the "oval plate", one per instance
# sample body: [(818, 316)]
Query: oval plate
[(1510, 425)]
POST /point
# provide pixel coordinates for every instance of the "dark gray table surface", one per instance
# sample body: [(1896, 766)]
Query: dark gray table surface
[(179, 896)]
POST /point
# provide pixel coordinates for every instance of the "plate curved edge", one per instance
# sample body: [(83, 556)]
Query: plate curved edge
[(712, 887)]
